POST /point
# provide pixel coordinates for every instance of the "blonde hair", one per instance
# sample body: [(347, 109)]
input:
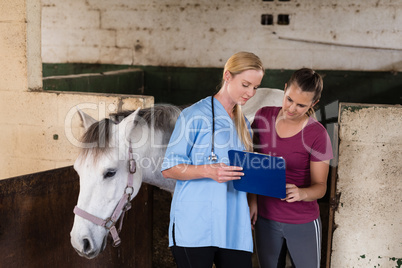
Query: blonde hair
[(236, 64)]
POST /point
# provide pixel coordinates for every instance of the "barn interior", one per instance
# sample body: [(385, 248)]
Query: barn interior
[(108, 56)]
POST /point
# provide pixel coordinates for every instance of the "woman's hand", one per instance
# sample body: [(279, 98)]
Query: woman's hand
[(317, 189), (294, 193), (252, 203), (222, 173)]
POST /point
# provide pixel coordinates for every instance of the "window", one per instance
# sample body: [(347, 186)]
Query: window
[(283, 19), (267, 19)]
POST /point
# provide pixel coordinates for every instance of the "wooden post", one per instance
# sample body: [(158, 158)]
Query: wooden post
[(333, 198)]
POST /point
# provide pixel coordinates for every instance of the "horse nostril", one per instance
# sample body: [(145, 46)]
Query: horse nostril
[(87, 246)]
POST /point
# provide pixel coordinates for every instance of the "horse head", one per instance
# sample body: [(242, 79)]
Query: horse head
[(107, 177)]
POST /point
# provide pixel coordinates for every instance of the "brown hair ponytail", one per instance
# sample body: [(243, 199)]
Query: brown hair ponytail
[(308, 81)]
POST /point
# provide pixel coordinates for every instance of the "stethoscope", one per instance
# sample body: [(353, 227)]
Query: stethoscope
[(213, 157)]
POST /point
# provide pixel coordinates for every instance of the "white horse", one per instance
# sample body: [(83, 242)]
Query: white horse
[(137, 140)]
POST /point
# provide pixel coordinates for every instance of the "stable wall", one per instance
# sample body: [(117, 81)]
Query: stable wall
[(40, 130), (180, 85), (327, 35), (368, 223), (182, 45)]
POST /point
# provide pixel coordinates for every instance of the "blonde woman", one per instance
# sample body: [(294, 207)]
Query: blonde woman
[(209, 219)]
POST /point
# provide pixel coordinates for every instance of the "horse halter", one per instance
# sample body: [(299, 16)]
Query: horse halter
[(122, 207)]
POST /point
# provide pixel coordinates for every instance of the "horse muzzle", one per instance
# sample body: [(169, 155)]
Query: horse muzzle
[(87, 248)]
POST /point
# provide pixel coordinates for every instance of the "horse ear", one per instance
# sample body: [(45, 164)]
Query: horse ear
[(128, 123), (87, 120)]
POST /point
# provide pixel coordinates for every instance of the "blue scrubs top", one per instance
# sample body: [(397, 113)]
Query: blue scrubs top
[(203, 211)]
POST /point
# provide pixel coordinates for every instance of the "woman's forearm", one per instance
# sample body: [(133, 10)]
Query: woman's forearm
[(218, 172), (314, 192), (185, 172)]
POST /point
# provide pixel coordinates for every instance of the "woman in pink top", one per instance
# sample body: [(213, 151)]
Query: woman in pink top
[(292, 132)]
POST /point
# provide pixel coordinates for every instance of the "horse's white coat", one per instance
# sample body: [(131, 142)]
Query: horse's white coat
[(263, 97), (149, 156), (99, 195)]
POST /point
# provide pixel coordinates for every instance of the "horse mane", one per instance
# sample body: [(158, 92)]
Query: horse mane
[(159, 116), (97, 137)]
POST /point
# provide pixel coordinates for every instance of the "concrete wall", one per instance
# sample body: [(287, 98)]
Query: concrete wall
[(39, 130), (368, 221), (331, 35)]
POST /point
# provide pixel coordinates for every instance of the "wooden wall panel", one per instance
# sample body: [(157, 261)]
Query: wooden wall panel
[(36, 217)]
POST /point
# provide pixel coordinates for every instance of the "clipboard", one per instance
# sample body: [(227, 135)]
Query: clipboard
[(263, 174)]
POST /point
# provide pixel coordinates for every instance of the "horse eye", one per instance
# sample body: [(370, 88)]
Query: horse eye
[(109, 174)]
